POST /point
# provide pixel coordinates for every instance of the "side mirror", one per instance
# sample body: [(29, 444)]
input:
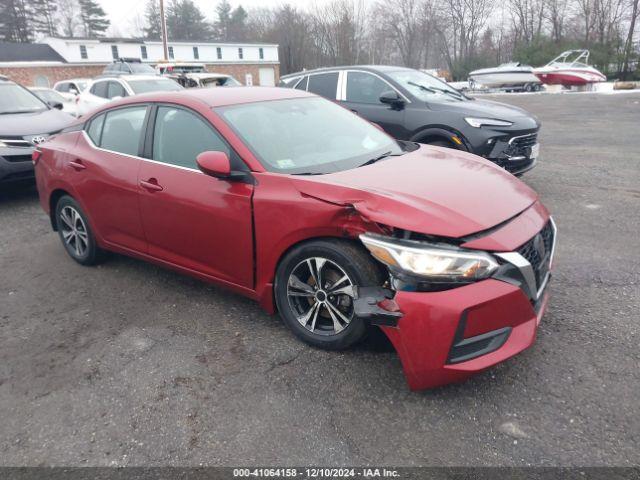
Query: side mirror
[(391, 97), (215, 164), (73, 91), (117, 97), (56, 105)]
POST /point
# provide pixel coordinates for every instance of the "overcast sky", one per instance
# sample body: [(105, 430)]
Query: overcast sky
[(126, 14)]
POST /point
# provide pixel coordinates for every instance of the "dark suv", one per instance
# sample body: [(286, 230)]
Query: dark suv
[(25, 121), (128, 66), (412, 105)]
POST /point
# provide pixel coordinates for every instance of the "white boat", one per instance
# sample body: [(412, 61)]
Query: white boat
[(570, 68), (507, 75)]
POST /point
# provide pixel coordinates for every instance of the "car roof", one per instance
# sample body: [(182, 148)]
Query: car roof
[(218, 97), (127, 78), (368, 68), (74, 80)]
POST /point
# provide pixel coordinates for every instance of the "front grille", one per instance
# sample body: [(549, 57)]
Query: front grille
[(537, 251), (524, 141), (17, 158), (16, 142)]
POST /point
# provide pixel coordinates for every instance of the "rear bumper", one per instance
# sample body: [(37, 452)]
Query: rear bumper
[(16, 165), (492, 320)]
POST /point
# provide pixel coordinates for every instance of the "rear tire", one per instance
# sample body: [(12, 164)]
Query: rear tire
[(75, 233), (314, 295)]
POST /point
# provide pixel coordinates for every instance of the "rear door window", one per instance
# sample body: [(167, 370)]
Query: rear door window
[(115, 89), (99, 89), (324, 84), (123, 129)]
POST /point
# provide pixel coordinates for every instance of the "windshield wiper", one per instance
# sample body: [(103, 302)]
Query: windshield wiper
[(436, 90), (10, 112), (308, 173), (423, 87), (380, 157)]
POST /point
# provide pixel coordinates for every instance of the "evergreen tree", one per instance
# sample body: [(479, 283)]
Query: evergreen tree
[(153, 27), (16, 18), (222, 25), (185, 21), (94, 19), (238, 25)]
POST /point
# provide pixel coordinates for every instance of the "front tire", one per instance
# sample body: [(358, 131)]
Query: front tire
[(314, 291), (75, 233)]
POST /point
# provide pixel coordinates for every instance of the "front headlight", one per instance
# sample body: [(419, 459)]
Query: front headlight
[(438, 264), (492, 122)]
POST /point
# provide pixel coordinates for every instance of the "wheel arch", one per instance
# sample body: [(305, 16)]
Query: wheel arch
[(54, 198), (266, 292), (427, 134)]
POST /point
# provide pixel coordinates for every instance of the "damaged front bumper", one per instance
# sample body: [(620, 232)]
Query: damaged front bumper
[(445, 337)]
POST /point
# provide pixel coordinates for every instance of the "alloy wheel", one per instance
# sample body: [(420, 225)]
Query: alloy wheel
[(320, 294), (74, 231)]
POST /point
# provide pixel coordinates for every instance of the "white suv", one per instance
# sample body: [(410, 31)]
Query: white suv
[(105, 89), (71, 88)]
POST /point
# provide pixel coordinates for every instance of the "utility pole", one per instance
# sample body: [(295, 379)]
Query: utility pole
[(163, 24)]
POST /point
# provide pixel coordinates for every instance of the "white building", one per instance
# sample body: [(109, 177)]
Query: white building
[(250, 63)]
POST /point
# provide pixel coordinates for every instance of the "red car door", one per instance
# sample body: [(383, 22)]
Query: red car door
[(104, 171), (191, 219)]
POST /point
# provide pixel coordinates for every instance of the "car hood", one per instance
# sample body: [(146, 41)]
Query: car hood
[(433, 190), (45, 121), (487, 109)]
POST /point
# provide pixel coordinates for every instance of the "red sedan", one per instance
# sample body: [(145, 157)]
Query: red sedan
[(298, 203)]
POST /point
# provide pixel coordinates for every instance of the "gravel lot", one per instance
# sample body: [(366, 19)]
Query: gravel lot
[(129, 364)]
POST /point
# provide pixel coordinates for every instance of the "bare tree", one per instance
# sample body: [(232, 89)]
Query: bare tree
[(68, 16)]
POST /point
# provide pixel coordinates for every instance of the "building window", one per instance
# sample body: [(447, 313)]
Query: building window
[(240, 54), (41, 81), (171, 53), (143, 52), (83, 52), (196, 54), (261, 53), (219, 53), (114, 52)]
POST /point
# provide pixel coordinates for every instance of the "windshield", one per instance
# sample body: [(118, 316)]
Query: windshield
[(141, 68), (16, 99), (153, 85), (308, 135), (81, 85), (425, 87), (49, 96)]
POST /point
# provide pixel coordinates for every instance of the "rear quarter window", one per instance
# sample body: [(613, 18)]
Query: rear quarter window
[(94, 129)]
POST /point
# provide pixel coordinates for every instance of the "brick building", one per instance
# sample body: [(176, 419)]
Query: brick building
[(61, 58)]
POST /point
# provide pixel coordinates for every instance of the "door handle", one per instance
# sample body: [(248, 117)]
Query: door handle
[(151, 185), (77, 164)]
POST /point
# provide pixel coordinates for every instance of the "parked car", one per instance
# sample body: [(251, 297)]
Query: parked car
[(55, 100), (413, 105), (204, 80), (24, 121), (128, 66), (296, 202), (71, 88), (173, 68), (105, 89)]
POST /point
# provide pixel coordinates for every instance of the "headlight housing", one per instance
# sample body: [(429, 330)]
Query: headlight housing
[(477, 122), (440, 264)]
